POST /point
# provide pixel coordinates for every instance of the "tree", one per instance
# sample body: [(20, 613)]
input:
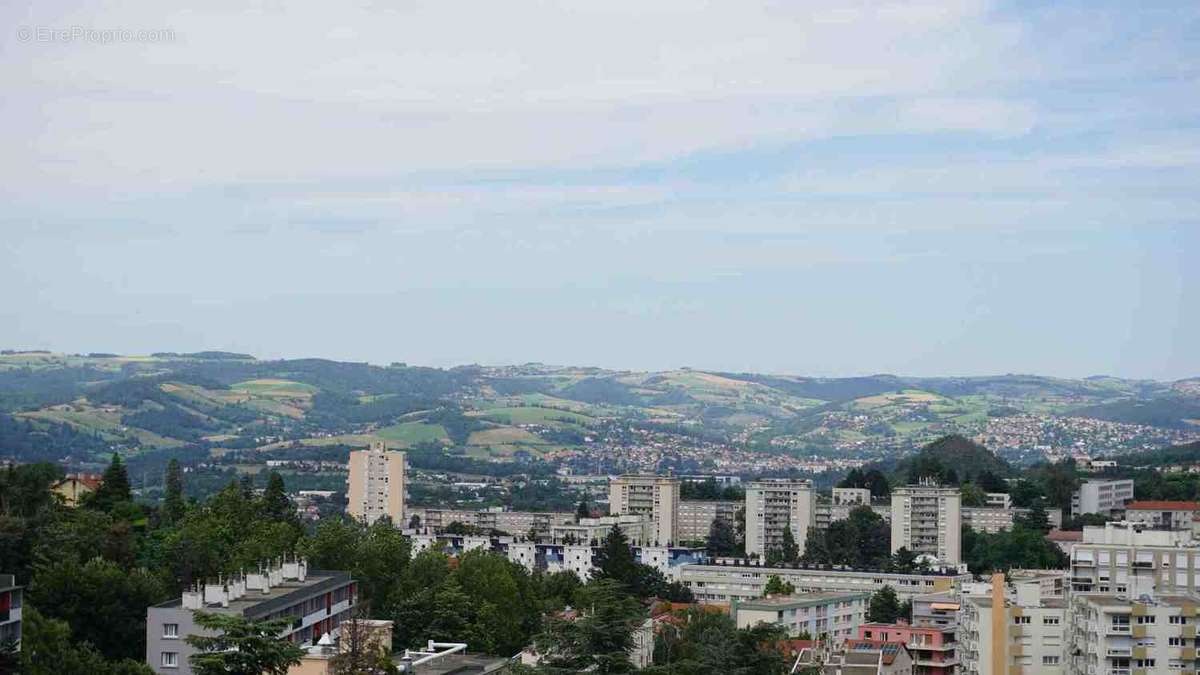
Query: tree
[(114, 487), (599, 638), (582, 511), (1037, 518), (903, 561), (973, 495), (777, 586), (722, 540), (242, 646), (48, 648), (414, 523), (614, 560), (711, 642), (173, 504), (360, 652), (905, 612), (789, 551), (275, 503), (884, 606)]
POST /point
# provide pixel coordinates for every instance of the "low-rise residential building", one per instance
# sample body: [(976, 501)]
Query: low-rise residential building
[(998, 500), (515, 523), (696, 517), (1103, 496), (1065, 540), (591, 531), (990, 520), (718, 583), (936, 610), (10, 610), (932, 649), (1165, 515), (74, 487), (868, 657), (1122, 557), (1150, 634), (1014, 631), (316, 601), (823, 616)]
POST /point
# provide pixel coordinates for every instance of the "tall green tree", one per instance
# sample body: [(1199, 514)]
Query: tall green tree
[(884, 606), (710, 642), (777, 586), (599, 638), (114, 487), (173, 502), (722, 540), (275, 503), (614, 560), (48, 648), (582, 510), (242, 646)]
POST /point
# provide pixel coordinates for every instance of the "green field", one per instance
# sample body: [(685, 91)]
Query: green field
[(534, 415), (272, 387), (411, 433)]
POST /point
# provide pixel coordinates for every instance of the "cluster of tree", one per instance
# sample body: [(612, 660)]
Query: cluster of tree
[(709, 490), (1023, 546), (172, 421), (43, 441), (953, 459), (870, 479), (885, 607), (861, 540)]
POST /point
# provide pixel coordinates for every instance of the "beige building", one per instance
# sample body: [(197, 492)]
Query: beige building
[(719, 583), (377, 485), (824, 616), (696, 517), (1132, 636), (1126, 558), (591, 531), (76, 486), (990, 520), (1014, 630), (653, 496), (773, 506), (926, 519)]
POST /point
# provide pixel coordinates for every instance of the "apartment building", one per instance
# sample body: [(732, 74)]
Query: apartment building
[(696, 517), (773, 506), (317, 601), (990, 520), (1015, 631), (830, 616), (654, 496), (936, 610), (1165, 515), (927, 519), (1127, 558), (592, 531), (998, 500), (1134, 636), (1102, 496), (712, 583), (10, 610), (377, 484), (932, 649), (868, 657), (520, 523)]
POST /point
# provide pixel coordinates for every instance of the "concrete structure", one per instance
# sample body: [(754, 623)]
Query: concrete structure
[(1137, 636), (868, 657), (377, 483), (10, 610), (926, 519), (823, 616), (1014, 631), (317, 601), (75, 486), (773, 506), (1165, 515), (1065, 540), (653, 496), (696, 517), (998, 500), (931, 649), (936, 610), (727, 582), (515, 523), (1101, 496), (990, 520), (1125, 558), (592, 531)]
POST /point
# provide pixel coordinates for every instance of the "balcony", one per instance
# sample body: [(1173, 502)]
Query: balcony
[(1117, 628), (1119, 652)]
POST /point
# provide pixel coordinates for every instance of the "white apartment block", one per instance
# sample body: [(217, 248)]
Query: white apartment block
[(773, 506), (1125, 559), (1131, 636), (1101, 496), (825, 616), (654, 496), (998, 500), (1015, 630), (377, 483), (593, 531), (990, 520), (926, 519), (716, 583), (696, 517), (1166, 515)]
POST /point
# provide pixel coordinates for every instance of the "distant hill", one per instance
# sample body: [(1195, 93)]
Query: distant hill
[(1188, 453), (1176, 412), (951, 459)]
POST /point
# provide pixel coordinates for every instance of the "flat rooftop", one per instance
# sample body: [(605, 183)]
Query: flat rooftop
[(462, 664), (281, 595), (798, 600)]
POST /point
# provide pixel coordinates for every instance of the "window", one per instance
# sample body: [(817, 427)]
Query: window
[(1179, 619), (1176, 642), (1049, 620), (1145, 619), (170, 660), (1143, 663), (171, 630), (1020, 619), (1051, 660)]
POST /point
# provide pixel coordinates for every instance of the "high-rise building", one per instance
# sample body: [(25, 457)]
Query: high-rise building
[(653, 496), (1147, 634), (377, 482), (927, 519), (1101, 496), (1013, 631), (1128, 559), (773, 506), (696, 517)]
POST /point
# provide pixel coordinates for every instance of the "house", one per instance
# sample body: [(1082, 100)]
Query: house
[(1165, 515), (869, 657), (75, 486)]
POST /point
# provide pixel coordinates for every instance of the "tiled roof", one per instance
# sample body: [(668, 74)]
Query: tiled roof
[(1162, 506)]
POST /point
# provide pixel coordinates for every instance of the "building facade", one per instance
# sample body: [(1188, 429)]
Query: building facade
[(696, 517), (773, 506), (1124, 558), (10, 610), (1101, 496), (990, 520), (1015, 631), (932, 649), (654, 496), (823, 616), (592, 531), (376, 485), (1153, 634), (1165, 515), (720, 583), (316, 601), (927, 519)]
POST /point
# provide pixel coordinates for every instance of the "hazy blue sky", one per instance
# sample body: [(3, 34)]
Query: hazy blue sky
[(822, 188)]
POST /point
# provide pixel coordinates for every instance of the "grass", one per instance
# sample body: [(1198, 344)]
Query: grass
[(504, 436), (273, 387), (411, 433), (83, 416), (534, 415)]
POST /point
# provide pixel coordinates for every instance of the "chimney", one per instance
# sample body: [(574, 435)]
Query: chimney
[(193, 599), (999, 625), (303, 567), (214, 594)]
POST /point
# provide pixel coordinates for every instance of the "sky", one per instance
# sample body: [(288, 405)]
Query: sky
[(815, 188)]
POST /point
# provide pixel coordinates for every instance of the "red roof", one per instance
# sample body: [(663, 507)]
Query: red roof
[(1065, 535), (1162, 506)]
